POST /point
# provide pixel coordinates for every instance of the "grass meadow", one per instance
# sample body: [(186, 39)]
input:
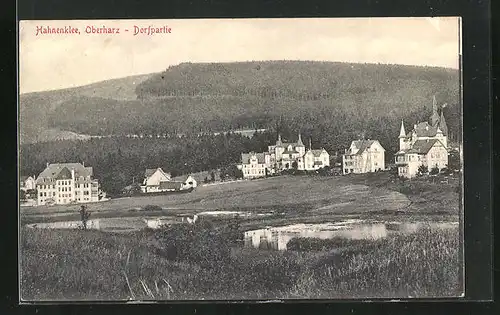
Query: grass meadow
[(203, 261), (62, 264)]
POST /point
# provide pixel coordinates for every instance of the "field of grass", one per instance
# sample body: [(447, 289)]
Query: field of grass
[(73, 264), (58, 264), (302, 198), (313, 191)]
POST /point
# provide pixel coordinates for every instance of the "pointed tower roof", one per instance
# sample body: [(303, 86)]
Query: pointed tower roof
[(402, 132), (442, 124), (299, 142), (279, 140), (434, 119)]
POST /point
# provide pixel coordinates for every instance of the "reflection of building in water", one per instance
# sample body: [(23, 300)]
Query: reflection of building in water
[(277, 238), (364, 232), (91, 224)]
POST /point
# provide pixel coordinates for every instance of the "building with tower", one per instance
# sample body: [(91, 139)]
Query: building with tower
[(426, 144), (284, 156)]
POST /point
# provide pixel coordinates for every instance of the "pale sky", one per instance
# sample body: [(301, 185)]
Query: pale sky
[(56, 61)]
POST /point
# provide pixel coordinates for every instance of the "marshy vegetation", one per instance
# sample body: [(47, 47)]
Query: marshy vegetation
[(203, 262)]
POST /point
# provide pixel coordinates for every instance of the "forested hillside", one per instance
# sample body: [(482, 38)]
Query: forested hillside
[(192, 98), (329, 103)]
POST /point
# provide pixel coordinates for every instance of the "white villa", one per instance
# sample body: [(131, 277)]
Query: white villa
[(156, 180), (27, 183), (283, 156), (153, 178), (426, 144), (64, 183), (363, 156)]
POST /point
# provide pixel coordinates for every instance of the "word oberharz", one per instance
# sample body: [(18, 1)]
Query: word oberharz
[(90, 29)]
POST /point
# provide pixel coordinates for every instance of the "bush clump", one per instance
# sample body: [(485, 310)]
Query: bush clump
[(196, 243), (151, 208)]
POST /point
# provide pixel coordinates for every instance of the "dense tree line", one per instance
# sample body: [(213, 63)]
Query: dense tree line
[(119, 161), (193, 98)]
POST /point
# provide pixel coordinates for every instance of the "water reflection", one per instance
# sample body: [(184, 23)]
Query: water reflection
[(278, 237), (91, 224)]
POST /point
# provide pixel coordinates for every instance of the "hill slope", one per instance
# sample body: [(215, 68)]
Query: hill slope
[(35, 108), (314, 97)]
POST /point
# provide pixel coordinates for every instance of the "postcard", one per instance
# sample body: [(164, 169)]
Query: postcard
[(240, 159)]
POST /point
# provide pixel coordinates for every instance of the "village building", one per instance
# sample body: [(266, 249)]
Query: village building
[(283, 156), (157, 180), (153, 178), (27, 183), (63, 183), (255, 164), (426, 144), (363, 156), (187, 182)]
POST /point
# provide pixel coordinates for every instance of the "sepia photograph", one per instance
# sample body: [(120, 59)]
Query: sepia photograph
[(240, 159)]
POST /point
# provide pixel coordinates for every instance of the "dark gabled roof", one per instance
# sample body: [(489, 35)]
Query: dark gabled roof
[(65, 173), (290, 152), (423, 146), (424, 129), (184, 178), (245, 157), (170, 185), (23, 178), (317, 153), (286, 144), (362, 145), (53, 170), (150, 171)]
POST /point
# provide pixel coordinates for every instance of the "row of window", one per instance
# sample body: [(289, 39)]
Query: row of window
[(45, 194), (254, 172), (436, 155), (252, 165), (68, 188), (47, 186)]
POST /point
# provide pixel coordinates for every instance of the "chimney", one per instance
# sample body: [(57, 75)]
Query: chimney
[(47, 164), (83, 163), (73, 174)]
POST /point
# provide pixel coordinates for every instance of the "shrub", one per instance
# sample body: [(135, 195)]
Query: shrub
[(278, 272), (446, 171), (317, 244), (434, 170), (151, 208), (196, 243), (423, 169)]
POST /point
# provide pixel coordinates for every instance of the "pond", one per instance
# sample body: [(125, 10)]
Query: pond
[(278, 237), (129, 224)]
